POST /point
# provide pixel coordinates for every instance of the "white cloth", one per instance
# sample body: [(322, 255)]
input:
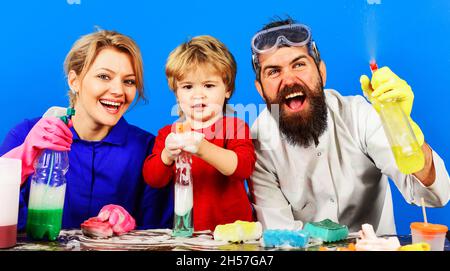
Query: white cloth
[(344, 178)]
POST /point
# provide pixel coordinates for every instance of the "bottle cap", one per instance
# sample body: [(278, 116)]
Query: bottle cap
[(69, 113), (181, 127), (373, 65), (429, 228)]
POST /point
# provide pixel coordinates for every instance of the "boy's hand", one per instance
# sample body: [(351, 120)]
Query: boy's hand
[(191, 141), (173, 148)]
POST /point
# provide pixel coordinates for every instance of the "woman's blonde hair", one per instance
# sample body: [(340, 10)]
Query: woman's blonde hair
[(85, 50), (198, 51)]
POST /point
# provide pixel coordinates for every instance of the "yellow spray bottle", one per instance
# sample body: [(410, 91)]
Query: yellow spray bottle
[(407, 152)]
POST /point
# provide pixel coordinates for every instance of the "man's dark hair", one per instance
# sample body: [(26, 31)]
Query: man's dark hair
[(313, 51), (278, 21)]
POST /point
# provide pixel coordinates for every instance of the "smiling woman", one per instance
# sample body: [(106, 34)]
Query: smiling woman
[(103, 72), (103, 95), (106, 154)]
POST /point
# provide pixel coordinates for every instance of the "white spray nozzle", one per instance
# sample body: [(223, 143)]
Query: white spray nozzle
[(55, 111)]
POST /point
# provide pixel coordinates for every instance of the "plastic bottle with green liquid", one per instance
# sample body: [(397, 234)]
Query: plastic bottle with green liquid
[(407, 152), (48, 188)]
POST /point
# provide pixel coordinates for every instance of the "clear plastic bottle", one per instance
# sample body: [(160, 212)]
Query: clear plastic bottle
[(183, 217), (47, 192), (408, 154)]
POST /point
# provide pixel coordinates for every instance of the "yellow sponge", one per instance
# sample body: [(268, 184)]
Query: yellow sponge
[(239, 231)]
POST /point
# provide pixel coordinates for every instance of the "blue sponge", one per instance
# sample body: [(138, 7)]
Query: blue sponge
[(278, 238)]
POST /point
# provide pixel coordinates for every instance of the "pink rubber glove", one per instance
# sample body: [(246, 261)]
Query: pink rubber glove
[(119, 219), (48, 133)]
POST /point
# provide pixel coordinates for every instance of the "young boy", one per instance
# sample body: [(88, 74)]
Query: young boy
[(201, 72)]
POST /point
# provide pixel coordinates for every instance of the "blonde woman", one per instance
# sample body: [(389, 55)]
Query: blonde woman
[(106, 154)]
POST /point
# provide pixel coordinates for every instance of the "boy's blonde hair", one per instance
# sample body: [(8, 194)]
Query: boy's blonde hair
[(198, 51), (85, 50)]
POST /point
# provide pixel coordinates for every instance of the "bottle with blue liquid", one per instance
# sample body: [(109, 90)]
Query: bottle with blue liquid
[(48, 188)]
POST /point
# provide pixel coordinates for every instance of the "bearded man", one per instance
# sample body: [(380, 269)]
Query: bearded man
[(322, 155)]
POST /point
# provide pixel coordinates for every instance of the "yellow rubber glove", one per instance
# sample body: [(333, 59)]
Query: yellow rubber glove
[(386, 85)]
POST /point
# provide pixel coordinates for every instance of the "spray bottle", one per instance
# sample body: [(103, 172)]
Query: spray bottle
[(183, 217), (48, 188), (407, 152)]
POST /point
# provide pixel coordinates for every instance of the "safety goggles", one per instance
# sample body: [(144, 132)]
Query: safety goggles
[(292, 35)]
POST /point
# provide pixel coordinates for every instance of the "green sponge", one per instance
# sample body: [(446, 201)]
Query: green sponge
[(327, 230)]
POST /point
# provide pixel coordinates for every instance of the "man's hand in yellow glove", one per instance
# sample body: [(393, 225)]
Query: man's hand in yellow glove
[(386, 85)]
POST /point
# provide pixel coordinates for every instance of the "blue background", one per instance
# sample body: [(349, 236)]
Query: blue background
[(412, 37)]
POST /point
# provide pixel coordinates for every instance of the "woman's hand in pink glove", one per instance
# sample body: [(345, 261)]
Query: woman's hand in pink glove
[(48, 133), (119, 219)]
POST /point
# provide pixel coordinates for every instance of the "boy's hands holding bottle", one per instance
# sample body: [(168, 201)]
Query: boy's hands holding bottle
[(177, 142)]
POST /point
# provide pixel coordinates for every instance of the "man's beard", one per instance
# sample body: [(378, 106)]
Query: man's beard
[(305, 127)]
